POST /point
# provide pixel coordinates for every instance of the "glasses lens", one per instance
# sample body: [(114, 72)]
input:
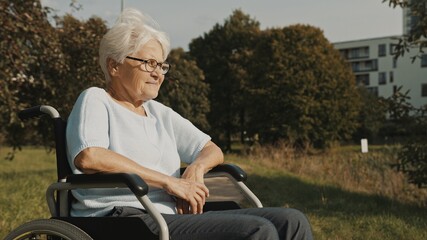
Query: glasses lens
[(165, 67), (150, 65)]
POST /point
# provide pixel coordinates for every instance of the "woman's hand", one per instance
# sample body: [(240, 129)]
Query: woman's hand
[(210, 156), (191, 195), (194, 173)]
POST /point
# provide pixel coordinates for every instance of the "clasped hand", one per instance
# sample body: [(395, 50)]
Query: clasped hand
[(190, 190)]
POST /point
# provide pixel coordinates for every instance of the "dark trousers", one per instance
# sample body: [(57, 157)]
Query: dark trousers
[(239, 224)]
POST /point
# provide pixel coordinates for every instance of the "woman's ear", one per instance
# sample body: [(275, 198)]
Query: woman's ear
[(112, 66)]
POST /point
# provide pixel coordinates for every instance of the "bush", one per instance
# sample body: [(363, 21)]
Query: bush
[(413, 162)]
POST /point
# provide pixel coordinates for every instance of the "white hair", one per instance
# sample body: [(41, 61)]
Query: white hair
[(130, 32)]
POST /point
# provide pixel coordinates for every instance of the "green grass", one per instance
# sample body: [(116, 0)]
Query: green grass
[(345, 195), (23, 182)]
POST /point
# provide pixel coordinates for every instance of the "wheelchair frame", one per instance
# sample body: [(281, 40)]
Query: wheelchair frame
[(62, 226)]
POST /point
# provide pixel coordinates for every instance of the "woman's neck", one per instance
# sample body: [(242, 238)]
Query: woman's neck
[(126, 101)]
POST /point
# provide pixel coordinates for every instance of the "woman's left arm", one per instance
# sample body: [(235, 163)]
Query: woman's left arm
[(210, 156)]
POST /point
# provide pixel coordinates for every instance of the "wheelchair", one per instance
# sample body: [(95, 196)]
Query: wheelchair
[(58, 195)]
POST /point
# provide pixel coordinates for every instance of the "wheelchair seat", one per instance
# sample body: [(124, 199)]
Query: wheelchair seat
[(63, 226)]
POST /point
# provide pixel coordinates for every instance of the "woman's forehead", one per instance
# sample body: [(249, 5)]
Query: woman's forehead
[(151, 49)]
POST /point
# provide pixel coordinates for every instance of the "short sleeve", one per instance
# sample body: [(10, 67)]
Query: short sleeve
[(87, 125), (189, 139)]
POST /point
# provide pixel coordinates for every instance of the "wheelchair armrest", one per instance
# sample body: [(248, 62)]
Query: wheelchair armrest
[(235, 171), (134, 182), (106, 180)]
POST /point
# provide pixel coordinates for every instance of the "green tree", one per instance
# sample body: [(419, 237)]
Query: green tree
[(302, 90), (409, 124), (416, 38), (185, 89), (371, 117), (223, 54), (413, 161), (42, 64), (31, 57), (412, 157), (79, 45)]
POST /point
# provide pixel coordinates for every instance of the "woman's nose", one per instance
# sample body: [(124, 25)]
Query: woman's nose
[(156, 73)]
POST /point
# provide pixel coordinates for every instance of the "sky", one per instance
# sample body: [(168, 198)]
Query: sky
[(184, 20)]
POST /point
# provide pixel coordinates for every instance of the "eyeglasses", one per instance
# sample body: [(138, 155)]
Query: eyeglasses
[(151, 65)]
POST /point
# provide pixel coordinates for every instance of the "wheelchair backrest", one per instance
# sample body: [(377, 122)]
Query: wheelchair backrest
[(62, 167)]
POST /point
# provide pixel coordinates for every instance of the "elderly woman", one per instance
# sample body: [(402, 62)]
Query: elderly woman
[(122, 129)]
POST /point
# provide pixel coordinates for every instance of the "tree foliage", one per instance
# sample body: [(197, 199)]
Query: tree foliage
[(283, 83), (79, 44), (302, 90), (42, 64), (372, 115), (185, 89), (31, 57), (417, 36), (223, 54), (413, 161), (412, 157), (50, 65), (278, 84), (409, 124)]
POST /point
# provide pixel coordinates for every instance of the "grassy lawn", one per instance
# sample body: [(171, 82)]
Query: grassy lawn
[(345, 194), (23, 182)]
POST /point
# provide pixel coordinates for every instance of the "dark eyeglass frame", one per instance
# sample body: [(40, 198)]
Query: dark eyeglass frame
[(146, 61)]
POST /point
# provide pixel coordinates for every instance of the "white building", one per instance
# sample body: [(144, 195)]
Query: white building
[(374, 65)]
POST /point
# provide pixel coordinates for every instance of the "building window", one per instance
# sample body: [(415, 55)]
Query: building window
[(355, 66), (382, 50), (394, 89), (362, 80), (391, 77), (355, 53), (373, 90), (393, 49), (424, 60), (382, 78), (365, 66), (394, 62), (423, 90)]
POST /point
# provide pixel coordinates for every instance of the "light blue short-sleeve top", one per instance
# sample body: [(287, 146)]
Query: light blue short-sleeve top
[(159, 141)]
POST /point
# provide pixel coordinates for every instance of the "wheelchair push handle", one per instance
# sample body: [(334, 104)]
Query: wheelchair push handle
[(37, 111)]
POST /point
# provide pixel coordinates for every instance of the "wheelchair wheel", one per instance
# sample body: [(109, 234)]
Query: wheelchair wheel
[(47, 229)]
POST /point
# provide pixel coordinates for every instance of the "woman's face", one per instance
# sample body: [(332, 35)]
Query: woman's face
[(133, 81)]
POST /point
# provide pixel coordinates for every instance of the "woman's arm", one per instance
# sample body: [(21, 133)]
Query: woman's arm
[(96, 159), (210, 156)]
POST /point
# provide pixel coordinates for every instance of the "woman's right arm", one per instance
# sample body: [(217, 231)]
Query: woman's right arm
[(97, 159)]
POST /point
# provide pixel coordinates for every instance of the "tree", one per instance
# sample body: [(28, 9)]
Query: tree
[(79, 45), (31, 57), (223, 54), (302, 90), (412, 156), (417, 36), (409, 124), (413, 161), (185, 89), (371, 117), (42, 64)]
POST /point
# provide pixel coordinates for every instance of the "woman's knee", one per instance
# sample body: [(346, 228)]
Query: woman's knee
[(262, 229), (295, 225)]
